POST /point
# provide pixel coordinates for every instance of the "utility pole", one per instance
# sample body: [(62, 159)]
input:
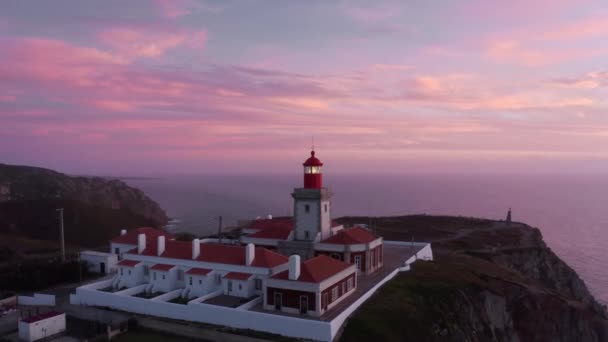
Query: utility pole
[(62, 234)]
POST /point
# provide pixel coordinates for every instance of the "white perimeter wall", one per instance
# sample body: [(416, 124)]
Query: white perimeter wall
[(37, 299), (239, 318)]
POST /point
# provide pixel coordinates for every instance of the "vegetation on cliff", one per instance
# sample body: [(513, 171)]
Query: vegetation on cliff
[(490, 281), (95, 209)]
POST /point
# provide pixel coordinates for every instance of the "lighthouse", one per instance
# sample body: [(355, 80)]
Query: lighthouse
[(312, 207)]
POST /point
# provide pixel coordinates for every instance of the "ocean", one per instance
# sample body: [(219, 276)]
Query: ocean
[(570, 210)]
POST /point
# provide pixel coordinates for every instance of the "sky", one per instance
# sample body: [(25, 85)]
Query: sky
[(185, 86)]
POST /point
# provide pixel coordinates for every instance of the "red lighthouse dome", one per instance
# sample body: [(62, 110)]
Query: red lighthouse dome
[(313, 179)]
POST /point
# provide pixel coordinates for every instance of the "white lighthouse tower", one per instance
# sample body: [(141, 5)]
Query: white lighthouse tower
[(312, 211), (312, 206)]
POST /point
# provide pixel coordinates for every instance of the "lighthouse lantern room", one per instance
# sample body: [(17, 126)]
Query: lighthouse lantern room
[(313, 179)]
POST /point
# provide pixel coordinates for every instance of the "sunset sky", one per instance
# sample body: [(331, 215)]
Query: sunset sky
[(152, 87)]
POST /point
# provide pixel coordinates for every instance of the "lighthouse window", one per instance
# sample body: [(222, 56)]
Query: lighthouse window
[(307, 208), (325, 206)]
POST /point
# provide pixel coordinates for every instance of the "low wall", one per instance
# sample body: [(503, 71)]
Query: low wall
[(207, 296), (168, 296), (337, 322), (99, 285), (212, 314), (250, 304), (131, 290), (37, 299)]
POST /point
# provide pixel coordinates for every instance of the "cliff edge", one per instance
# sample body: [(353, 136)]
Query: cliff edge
[(95, 208), (490, 281)]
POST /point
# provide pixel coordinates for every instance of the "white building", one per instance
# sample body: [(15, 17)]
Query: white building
[(99, 262), (42, 326)]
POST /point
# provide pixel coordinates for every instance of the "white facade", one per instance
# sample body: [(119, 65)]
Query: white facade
[(43, 328), (99, 262), (130, 276), (163, 281), (312, 214), (200, 285), (239, 288)]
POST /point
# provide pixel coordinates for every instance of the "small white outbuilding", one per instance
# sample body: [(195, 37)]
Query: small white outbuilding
[(41, 326), (99, 262)]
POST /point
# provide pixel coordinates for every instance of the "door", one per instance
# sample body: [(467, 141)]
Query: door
[(303, 304), (278, 301), (102, 267), (229, 286), (358, 261)]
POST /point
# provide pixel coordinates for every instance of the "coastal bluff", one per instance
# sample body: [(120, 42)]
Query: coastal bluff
[(490, 281), (95, 208)]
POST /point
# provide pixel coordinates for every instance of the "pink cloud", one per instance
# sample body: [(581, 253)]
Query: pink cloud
[(515, 52), (138, 43)]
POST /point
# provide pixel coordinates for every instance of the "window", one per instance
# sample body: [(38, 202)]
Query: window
[(334, 293), (154, 275), (349, 284), (129, 272), (190, 280), (163, 277), (146, 270), (258, 284), (180, 274), (307, 208), (200, 281), (325, 207), (343, 287), (240, 286), (122, 271), (218, 278), (306, 234)]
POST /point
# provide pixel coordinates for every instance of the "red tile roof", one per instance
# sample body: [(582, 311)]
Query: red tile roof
[(268, 258), (131, 237), (235, 255), (40, 317), (351, 236), (238, 276), (162, 267), (216, 253), (272, 233), (173, 249), (199, 271), (276, 228), (316, 270), (128, 263), (285, 222)]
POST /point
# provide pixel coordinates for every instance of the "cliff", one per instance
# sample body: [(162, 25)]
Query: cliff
[(94, 207), (490, 281)]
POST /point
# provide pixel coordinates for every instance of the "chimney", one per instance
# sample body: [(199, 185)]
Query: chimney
[(160, 246), (249, 254), (269, 216), (141, 243), (123, 232), (294, 267), (196, 248)]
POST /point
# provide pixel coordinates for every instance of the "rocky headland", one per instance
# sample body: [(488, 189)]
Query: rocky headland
[(490, 281)]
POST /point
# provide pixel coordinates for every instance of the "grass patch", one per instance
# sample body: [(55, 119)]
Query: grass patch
[(179, 300)]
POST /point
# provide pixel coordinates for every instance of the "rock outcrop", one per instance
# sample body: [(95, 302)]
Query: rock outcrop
[(32, 183), (490, 281), (95, 209)]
